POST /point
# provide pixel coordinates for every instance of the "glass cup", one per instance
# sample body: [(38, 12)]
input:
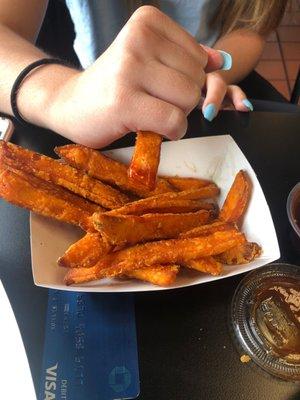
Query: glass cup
[(265, 319), (293, 212)]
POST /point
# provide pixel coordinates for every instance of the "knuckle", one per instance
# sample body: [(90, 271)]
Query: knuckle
[(193, 97), (236, 89), (128, 34), (176, 124), (201, 79), (216, 77), (145, 14), (195, 93), (136, 38), (142, 37)]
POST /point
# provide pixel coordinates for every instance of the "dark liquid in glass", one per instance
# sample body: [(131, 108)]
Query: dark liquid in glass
[(276, 313), (296, 212)]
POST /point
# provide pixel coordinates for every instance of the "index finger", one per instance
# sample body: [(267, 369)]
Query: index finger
[(209, 59)]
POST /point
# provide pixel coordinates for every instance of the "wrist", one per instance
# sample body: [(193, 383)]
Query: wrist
[(39, 94)]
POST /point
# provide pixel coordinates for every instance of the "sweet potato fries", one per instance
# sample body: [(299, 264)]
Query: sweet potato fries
[(145, 160), (132, 230)]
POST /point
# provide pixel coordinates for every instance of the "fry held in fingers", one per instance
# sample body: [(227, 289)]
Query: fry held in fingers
[(144, 164)]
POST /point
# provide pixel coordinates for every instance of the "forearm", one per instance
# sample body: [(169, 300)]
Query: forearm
[(35, 96), (245, 48), (111, 97)]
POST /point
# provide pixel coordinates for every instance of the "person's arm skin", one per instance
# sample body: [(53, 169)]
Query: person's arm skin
[(150, 78), (246, 48), (20, 22)]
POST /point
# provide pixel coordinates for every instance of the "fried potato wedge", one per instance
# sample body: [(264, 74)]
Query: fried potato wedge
[(132, 229), (174, 251), (208, 229), (145, 159), (107, 170), (207, 192), (36, 195), (181, 183), (88, 250), (237, 199), (85, 252), (161, 275), (61, 174), (208, 265), (159, 205), (241, 254)]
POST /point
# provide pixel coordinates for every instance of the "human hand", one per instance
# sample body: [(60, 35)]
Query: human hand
[(149, 79), (219, 92)]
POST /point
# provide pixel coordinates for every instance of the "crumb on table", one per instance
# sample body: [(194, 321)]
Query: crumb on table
[(245, 358)]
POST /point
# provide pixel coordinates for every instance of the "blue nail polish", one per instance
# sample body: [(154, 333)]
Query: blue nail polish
[(227, 60), (210, 112), (248, 104)]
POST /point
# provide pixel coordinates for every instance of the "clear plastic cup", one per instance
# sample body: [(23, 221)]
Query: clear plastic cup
[(293, 212), (265, 318)]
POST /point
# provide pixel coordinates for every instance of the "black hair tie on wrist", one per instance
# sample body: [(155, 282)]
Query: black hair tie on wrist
[(20, 78)]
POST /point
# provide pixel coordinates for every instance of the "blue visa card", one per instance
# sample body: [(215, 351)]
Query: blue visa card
[(90, 350)]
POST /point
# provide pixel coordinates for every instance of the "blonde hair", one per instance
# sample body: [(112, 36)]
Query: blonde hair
[(262, 16), (259, 15)]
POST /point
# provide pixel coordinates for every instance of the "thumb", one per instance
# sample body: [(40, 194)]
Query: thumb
[(217, 59)]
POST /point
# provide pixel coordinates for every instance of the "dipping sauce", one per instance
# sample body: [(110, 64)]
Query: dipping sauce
[(265, 319), (276, 312), (293, 209), (296, 211), (293, 212)]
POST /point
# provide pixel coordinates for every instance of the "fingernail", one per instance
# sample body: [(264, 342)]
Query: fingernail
[(247, 104), (210, 112), (227, 60)]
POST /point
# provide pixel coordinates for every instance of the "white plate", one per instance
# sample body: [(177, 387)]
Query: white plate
[(217, 158)]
